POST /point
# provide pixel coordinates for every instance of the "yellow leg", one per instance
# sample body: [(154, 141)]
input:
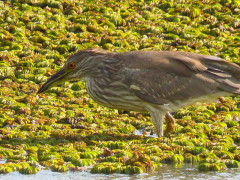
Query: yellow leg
[(170, 124), (158, 118)]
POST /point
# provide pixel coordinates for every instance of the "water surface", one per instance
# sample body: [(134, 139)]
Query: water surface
[(166, 172)]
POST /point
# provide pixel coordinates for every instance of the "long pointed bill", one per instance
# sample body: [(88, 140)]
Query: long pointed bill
[(53, 81)]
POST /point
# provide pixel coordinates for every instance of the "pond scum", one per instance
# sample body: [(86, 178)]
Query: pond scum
[(64, 130)]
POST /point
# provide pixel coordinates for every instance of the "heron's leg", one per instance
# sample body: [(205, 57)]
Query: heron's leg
[(170, 121), (158, 118)]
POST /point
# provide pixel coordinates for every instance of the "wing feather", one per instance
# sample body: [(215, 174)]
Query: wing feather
[(163, 77)]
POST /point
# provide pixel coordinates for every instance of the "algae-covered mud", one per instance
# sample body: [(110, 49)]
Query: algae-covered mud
[(63, 130)]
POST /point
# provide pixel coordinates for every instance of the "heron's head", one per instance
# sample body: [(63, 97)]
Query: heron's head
[(82, 64)]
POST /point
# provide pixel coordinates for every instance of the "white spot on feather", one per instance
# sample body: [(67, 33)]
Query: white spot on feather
[(134, 87)]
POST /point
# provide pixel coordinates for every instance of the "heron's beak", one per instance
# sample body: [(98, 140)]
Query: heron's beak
[(53, 80)]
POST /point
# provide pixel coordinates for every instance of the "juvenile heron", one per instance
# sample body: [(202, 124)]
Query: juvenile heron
[(156, 81)]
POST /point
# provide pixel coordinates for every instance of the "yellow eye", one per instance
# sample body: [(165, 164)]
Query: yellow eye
[(71, 65)]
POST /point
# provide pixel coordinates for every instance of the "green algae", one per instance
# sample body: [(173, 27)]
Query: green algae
[(64, 129)]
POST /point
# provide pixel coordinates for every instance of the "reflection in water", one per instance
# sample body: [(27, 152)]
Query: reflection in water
[(166, 172)]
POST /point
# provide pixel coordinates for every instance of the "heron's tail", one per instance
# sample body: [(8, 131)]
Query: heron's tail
[(227, 74)]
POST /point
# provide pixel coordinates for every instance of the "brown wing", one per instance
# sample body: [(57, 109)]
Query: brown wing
[(160, 77), (162, 87)]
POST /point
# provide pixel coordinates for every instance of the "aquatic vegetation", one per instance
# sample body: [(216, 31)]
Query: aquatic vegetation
[(28, 170), (59, 168), (176, 159), (23, 168), (109, 168), (83, 162), (232, 163), (189, 158), (64, 129), (217, 166), (7, 168)]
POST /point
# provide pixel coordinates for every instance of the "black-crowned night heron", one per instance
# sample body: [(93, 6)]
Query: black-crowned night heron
[(156, 81)]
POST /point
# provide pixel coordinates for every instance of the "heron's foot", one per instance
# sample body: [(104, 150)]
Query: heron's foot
[(170, 124), (222, 100)]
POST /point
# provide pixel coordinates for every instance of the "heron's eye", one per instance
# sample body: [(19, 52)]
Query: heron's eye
[(71, 65)]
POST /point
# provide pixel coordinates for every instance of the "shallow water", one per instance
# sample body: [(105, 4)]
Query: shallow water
[(168, 172)]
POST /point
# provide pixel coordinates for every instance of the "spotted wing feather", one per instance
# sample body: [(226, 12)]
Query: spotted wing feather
[(159, 77), (164, 87)]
